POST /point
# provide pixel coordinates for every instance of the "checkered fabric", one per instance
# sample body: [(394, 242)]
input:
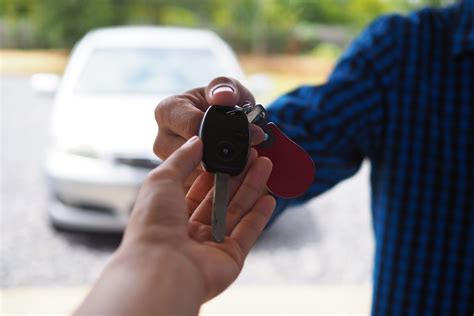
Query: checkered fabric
[(402, 96)]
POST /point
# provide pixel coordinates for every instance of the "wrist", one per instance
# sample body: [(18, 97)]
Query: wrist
[(166, 277)]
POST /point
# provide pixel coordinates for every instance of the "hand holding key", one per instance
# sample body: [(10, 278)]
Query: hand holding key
[(167, 263), (179, 117)]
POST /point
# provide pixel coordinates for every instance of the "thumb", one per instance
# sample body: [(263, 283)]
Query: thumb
[(227, 91), (230, 92), (183, 161)]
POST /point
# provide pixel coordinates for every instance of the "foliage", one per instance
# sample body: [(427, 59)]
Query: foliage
[(259, 26)]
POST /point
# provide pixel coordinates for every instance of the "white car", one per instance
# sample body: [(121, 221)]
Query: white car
[(103, 125)]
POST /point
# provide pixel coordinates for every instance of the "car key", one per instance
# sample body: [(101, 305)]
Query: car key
[(225, 135), (293, 169)]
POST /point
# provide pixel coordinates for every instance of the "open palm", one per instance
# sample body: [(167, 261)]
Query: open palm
[(165, 213)]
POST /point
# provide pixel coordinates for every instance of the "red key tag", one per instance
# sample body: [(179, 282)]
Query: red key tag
[(293, 169)]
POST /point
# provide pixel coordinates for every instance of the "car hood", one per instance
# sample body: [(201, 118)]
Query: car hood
[(109, 125)]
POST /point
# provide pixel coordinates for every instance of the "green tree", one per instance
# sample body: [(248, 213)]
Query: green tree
[(260, 26)]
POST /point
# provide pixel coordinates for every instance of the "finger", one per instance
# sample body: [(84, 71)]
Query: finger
[(178, 119), (203, 212), (251, 226), (161, 199), (199, 232), (181, 163), (192, 178), (198, 191), (227, 91), (166, 143), (230, 92), (251, 189), (257, 135), (182, 113)]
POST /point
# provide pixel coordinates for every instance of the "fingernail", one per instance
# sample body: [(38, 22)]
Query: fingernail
[(192, 139), (265, 137), (222, 88)]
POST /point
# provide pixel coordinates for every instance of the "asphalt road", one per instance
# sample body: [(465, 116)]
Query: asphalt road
[(326, 241)]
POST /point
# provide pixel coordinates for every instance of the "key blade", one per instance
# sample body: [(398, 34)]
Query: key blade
[(219, 208)]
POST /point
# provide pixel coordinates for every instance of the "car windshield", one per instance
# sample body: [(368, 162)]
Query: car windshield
[(147, 70)]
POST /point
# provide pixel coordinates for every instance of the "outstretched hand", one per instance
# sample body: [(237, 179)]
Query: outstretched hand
[(167, 261)]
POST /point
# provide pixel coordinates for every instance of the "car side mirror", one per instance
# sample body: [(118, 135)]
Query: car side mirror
[(45, 83)]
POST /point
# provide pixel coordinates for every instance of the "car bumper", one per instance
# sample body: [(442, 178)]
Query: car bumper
[(91, 194), (82, 219)]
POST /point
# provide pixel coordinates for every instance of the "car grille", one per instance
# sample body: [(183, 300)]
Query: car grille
[(138, 162)]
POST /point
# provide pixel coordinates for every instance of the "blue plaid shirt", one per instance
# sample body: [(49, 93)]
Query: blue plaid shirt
[(402, 96)]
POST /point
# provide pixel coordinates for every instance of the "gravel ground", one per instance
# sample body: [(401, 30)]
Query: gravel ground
[(328, 240)]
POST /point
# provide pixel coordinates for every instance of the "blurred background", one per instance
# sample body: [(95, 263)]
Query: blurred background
[(77, 129)]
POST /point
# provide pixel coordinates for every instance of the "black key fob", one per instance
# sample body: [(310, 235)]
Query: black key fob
[(226, 140)]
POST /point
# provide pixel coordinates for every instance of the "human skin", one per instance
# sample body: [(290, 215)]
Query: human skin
[(179, 117), (167, 263)]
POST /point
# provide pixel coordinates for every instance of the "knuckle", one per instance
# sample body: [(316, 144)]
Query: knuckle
[(192, 204), (152, 177), (189, 123), (163, 109), (158, 145), (237, 209), (163, 145), (176, 114), (197, 98), (161, 175), (203, 233), (198, 231), (252, 188)]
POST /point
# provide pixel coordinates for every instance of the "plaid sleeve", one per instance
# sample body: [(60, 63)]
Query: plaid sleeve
[(340, 122)]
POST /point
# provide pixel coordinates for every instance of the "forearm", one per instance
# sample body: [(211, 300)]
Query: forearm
[(134, 283)]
